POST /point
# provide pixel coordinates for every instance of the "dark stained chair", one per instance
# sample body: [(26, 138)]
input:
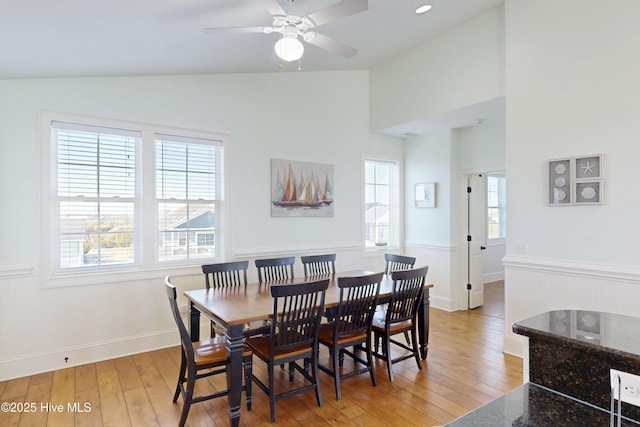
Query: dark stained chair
[(297, 310), (352, 327), (274, 269), (316, 265), (225, 274), (400, 316), (229, 274), (200, 360), (394, 262)]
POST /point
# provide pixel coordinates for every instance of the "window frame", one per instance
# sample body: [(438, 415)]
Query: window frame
[(502, 209), (147, 264), (395, 211)]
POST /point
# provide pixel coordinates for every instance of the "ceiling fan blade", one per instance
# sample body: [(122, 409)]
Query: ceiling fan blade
[(332, 45), (234, 30), (338, 10), (273, 7)]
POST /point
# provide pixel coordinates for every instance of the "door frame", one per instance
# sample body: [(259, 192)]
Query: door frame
[(463, 219)]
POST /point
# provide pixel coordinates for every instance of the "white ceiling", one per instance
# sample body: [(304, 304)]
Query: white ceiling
[(77, 38), (70, 38)]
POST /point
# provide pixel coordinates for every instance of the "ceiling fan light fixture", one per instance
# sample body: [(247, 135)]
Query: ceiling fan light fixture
[(289, 48)]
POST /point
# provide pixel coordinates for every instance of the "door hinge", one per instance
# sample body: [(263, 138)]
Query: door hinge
[(468, 238), (468, 286), (468, 189)]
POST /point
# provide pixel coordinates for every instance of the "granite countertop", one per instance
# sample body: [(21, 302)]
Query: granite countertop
[(616, 333), (531, 405)]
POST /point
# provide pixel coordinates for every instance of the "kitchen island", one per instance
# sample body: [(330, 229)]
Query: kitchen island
[(570, 353)]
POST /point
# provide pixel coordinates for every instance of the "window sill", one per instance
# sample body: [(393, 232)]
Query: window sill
[(118, 276)]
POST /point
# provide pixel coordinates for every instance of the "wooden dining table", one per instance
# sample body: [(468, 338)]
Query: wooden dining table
[(231, 308)]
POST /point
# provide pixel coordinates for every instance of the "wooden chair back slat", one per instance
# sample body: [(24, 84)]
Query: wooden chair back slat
[(297, 310), (316, 265), (397, 262), (406, 295), (357, 304), (274, 269), (225, 274)]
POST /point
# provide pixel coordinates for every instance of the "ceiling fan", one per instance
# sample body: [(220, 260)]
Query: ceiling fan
[(289, 47)]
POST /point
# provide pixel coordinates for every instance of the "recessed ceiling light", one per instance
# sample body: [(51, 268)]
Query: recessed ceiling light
[(424, 8)]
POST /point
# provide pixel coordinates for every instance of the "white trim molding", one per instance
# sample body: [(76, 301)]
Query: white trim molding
[(258, 252), (431, 247), (16, 271), (31, 364), (622, 273)]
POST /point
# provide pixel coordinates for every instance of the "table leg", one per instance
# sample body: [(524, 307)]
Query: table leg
[(235, 345), (423, 325), (194, 323)]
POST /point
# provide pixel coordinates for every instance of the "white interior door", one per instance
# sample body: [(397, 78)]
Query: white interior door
[(476, 235)]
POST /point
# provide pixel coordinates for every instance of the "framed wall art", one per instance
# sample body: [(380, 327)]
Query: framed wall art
[(301, 188), (425, 195), (560, 181), (576, 181)]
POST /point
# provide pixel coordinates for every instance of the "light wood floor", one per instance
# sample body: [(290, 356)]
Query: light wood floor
[(465, 368)]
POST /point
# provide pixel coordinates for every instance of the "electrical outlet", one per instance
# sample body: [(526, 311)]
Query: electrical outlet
[(625, 386)]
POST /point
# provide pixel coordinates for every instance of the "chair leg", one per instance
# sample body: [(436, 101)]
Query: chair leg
[(406, 337), (272, 395), (387, 345), (336, 359), (372, 368), (183, 369), (188, 395), (248, 374), (314, 369), (416, 352)]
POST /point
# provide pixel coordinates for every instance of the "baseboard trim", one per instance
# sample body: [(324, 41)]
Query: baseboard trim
[(441, 303), (37, 363), (493, 277), (513, 346)]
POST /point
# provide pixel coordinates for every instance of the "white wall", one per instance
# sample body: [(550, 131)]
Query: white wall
[(428, 230), (482, 149), (461, 67), (318, 117), (572, 89)]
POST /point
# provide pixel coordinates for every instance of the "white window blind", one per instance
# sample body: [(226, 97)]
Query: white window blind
[(188, 195), (96, 195), (496, 206), (380, 203)]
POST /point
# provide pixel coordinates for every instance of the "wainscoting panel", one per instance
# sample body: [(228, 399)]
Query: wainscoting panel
[(536, 285)]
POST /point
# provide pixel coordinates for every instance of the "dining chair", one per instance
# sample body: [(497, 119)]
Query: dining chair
[(400, 316), (229, 274), (274, 269), (297, 310), (202, 359), (316, 265), (351, 327), (394, 262), (225, 274)]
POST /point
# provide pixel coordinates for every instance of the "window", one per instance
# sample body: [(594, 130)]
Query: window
[(186, 194), (105, 179), (380, 203), (496, 206)]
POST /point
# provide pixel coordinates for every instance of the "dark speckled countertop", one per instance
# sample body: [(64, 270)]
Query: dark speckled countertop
[(533, 406), (571, 353), (589, 329)]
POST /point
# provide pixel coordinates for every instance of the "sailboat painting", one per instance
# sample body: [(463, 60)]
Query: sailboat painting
[(301, 188)]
